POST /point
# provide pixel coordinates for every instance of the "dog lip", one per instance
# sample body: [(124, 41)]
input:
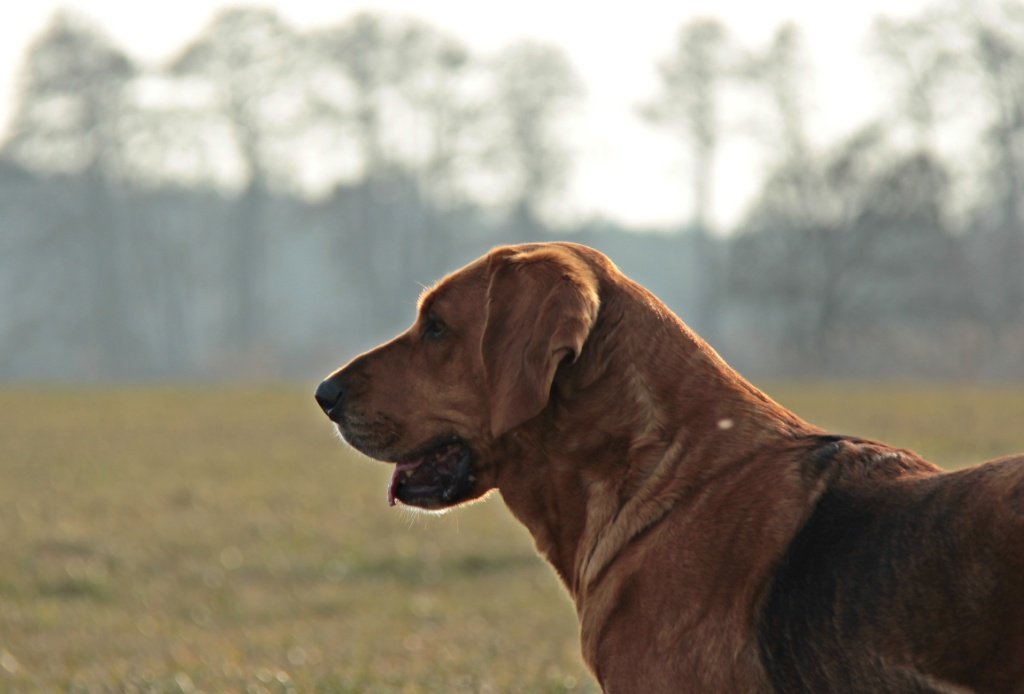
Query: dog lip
[(396, 478), (410, 461), (445, 478)]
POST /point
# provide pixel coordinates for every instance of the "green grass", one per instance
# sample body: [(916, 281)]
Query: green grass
[(173, 539)]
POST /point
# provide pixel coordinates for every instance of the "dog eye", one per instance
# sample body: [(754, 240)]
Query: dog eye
[(433, 328)]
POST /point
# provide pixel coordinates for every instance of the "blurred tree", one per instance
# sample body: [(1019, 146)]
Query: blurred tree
[(846, 243), (691, 81), (398, 91), (418, 137), (534, 86), (693, 78), (438, 85), (253, 62), (364, 53), (72, 91), (401, 90), (922, 57), (443, 91), (968, 55), (996, 31), (782, 71)]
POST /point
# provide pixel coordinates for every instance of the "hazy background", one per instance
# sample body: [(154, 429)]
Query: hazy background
[(259, 192), (190, 192)]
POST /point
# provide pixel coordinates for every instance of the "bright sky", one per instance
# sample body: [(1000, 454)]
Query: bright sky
[(624, 169)]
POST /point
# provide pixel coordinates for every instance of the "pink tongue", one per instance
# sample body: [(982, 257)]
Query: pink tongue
[(399, 469)]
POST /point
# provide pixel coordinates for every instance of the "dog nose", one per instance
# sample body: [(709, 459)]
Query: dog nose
[(329, 395)]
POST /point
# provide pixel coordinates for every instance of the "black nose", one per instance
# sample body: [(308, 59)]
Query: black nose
[(329, 396)]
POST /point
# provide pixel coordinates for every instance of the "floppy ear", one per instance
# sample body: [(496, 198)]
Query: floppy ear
[(541, 305)]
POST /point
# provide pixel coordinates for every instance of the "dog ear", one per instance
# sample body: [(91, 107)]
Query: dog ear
[(541, 306)]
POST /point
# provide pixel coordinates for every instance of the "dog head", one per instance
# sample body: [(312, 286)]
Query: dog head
[(478, 363)]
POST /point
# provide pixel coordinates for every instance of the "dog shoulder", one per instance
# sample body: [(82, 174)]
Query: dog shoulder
[(894, 563)]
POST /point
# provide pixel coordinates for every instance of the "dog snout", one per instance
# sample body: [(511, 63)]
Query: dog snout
[(330, 395)]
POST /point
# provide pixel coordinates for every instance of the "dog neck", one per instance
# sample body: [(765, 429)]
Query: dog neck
[(667, 409)]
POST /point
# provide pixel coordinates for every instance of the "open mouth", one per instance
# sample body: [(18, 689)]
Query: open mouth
[(436, 478)]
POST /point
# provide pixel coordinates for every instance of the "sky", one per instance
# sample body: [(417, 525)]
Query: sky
[(624, 169)]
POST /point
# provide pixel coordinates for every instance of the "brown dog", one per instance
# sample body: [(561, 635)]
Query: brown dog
[(711, 540)]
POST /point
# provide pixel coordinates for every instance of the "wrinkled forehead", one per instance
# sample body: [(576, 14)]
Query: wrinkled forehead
[(461, 290)]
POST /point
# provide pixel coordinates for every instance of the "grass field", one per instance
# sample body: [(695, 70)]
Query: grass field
[(186, 539)]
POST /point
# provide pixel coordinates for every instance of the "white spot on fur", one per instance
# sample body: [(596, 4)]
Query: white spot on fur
[(725, 424)]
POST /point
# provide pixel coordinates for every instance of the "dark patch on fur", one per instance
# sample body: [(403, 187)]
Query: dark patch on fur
[(855, 593), (820, 460)]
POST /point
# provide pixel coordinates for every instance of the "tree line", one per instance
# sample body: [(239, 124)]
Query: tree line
[(268, 198)]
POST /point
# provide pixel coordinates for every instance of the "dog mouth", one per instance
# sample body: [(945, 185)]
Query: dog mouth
[(436, 477)]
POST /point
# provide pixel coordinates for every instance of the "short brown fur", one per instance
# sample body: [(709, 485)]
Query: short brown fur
[(711, 540)]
